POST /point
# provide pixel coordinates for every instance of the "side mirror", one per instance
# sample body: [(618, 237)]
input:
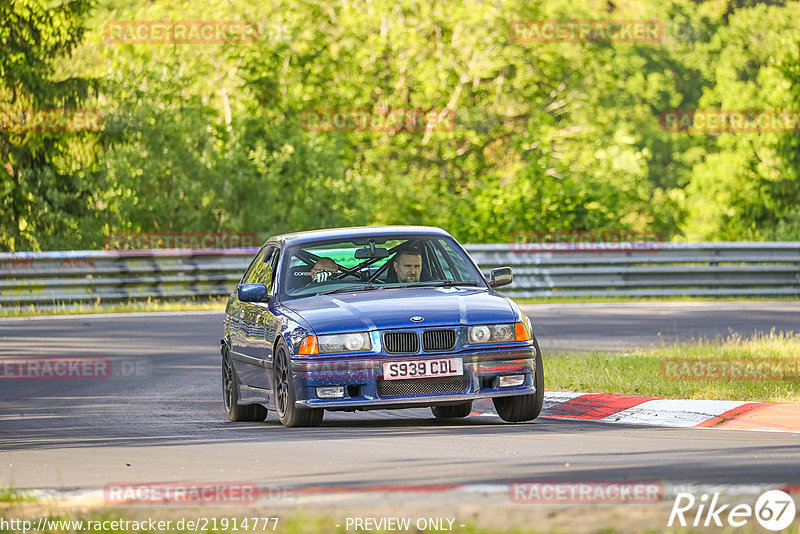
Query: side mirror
[(252, 293), (500, 277)]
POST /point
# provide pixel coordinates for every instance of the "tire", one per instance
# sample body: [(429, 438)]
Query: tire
[(452, 411), (283, 387), (230, 395), (524, 407)]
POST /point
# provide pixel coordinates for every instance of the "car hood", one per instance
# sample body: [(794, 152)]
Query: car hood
[(393, 308)]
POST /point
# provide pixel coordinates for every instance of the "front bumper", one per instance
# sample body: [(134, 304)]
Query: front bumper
[(365, 388)]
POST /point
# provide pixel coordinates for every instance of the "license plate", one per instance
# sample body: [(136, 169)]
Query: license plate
[(422, 369)]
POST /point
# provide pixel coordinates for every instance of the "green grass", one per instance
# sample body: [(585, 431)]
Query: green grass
[(687, 370), (14, 496), (151, 305)]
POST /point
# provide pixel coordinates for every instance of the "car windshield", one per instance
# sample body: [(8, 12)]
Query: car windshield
[(374, 263)]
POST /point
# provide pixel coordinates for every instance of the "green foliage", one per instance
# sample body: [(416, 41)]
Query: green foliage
[(45, 181), (545, 136), (747, 186)]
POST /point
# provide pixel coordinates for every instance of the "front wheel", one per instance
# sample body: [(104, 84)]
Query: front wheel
[(524, 407), (230, 395), (285, 397)]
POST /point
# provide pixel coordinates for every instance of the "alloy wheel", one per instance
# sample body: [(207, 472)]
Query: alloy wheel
[(281, 381)]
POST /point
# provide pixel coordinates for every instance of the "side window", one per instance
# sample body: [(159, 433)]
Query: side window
[(268, 266), (250, 274), (430, 268), (444, 263), (455, 262), (262, 270)]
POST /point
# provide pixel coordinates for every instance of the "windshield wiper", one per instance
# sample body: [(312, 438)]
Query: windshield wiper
[(348, 289), (439, 283)]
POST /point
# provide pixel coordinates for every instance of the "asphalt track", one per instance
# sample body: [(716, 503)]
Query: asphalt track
[(159, 417)]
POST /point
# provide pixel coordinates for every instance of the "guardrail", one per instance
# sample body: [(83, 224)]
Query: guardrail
[(51, 279), (660, 269)]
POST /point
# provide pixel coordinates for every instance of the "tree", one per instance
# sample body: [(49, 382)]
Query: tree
[(45, 195), (747, 185)]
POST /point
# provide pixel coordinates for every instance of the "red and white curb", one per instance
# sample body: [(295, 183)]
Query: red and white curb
[(675, 413)]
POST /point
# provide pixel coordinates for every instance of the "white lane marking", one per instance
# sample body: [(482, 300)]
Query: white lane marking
[(678, 413)]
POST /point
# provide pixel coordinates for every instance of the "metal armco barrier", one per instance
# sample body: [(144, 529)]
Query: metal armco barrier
[(655, 269), (46, 279)]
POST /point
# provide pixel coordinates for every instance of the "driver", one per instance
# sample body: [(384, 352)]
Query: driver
[(408, 265), (323, 270)]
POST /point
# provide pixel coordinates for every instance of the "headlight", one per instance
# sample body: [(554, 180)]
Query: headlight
[(491, 333), (355, 342)]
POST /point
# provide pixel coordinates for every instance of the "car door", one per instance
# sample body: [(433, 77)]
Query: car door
[(260, 325), (240, 318), (236, 308)]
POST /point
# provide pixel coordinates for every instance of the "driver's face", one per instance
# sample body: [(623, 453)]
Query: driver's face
[(408, 268)]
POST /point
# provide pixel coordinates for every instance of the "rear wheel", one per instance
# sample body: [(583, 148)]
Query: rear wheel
[(230, 395), (452, 411), (524, 407), (283, 387)]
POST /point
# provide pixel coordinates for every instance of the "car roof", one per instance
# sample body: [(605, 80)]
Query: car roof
[(355, 231)]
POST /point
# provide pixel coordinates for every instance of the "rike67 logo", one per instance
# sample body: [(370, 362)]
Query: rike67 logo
[(774, 510)]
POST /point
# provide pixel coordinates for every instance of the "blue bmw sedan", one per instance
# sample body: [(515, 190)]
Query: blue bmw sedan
[(374, 318)]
